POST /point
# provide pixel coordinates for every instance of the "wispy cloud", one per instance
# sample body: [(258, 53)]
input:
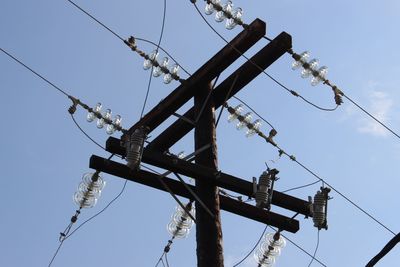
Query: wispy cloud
[(380, 106)]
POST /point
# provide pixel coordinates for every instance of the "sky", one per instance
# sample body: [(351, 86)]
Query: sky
[(44, 155)]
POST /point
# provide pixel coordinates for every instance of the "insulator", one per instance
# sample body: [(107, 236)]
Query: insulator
[(219, 16), (111, 128), (89, 190), (236, 16), (234, 112), (320, 208), (180, 224), (209, 9), (303, 57), (157, 71), (168, 77), (263, 187), (181, 155), (244, 121), (269, 249), (276, 240), (91, 115), (253, 128), (227, 8), (134, 148), (103, 120), (263, 258), (309, 68), (148, 63), (319, 75)]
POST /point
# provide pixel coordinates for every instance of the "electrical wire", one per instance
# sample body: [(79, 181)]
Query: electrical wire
[(160, 260), (34, 72), (302, 186), (90, 138), (342, 195), (293, 158), (258, 67), (122, 39), (56, 253), (316, 249), (152, 67), (372, 116), (55, 87), (166, 259), (386, 249), (226, 99), (251, 251)]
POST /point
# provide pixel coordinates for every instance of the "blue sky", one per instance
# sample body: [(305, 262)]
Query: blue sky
[(44, 155)]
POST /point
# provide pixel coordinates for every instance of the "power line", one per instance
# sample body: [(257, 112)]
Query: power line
[(152, 67), (251, 251), (269, 139), (343, 196), (300, 187), (294, 93), (34, 72), (56, 253), (122, 39), (316, 249), (372, 116), (389, 246), (90, 138)]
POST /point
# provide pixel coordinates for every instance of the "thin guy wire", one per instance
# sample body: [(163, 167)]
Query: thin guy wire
[(373, 117), (56, 253), (122, 39), (255, 112), (251, 251), (159, 177), (316, 249), (262, 70), (166, 259), (160, 260), (302, 249), (34, 72), (195, 196), (226, 99), (152, 67), (208, 97)]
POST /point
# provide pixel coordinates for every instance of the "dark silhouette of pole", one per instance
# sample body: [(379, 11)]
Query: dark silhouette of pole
[(208, 229)]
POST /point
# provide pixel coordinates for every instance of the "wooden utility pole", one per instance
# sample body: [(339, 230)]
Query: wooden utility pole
[(201, 118), (208, 229)]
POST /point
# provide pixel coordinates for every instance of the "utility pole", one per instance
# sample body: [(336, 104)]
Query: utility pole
[(201, 118), (208, 229)]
